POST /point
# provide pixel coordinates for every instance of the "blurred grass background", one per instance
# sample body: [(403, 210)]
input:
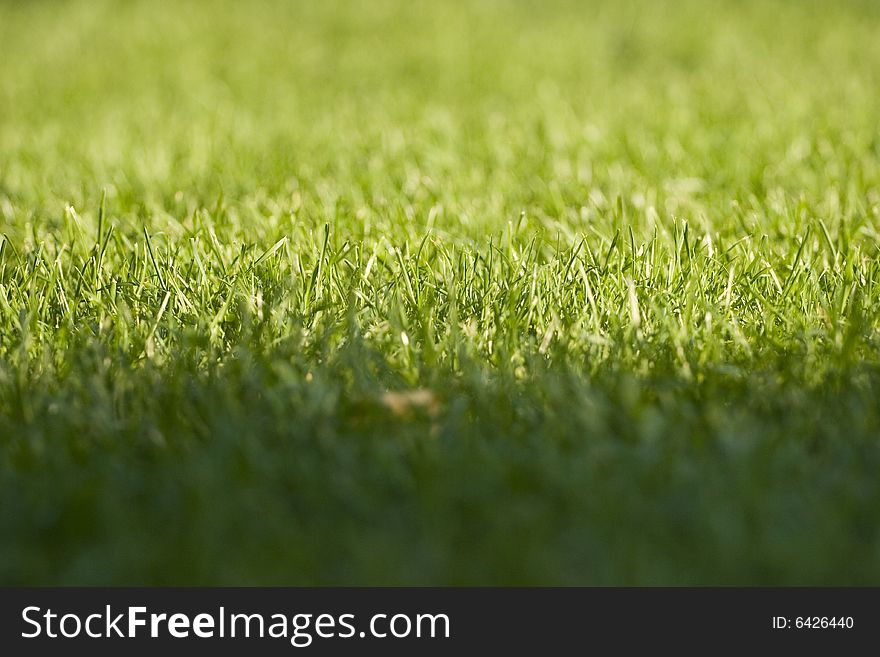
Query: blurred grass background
[(630, 247)]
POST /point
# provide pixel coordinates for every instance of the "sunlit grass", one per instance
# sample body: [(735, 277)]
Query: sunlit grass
[(439, 293)]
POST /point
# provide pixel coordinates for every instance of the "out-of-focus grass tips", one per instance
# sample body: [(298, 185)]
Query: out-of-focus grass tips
[(447, 293)]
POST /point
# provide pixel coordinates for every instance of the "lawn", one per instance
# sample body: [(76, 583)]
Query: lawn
[(455, 292)]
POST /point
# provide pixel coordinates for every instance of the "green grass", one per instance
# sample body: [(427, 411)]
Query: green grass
[(439, 293)]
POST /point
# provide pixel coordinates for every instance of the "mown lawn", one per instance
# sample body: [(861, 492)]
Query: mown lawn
[(440, 292)]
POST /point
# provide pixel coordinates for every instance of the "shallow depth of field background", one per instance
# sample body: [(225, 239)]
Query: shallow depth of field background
[(439, 292)]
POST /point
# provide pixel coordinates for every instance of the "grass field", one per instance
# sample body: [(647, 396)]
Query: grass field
[(440, 292)]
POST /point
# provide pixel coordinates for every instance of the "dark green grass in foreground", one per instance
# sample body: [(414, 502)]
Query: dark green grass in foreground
[(626, 254)]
